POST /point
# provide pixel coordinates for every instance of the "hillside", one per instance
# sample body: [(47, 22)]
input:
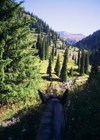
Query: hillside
[(70, 37), (90, 42)]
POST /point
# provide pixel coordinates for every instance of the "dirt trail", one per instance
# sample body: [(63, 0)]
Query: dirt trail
[(69, 83)]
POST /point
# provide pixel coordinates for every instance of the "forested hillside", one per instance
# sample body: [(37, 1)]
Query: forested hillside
[(39, 26), (92, 44)]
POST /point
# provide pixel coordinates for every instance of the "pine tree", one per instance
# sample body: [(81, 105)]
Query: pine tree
[(49, 69), (75, 60), (49, 39), (71, 71), (55, 52), (39, 45), (17, 78), (57, 67), (63, 75), (46, 50), (43, 49), (94, 70), (82, 63), (79, 61), (86, 63), (52, 54), (78, 58), (79, 65), (66, 54), (55, 45), (73, 57)]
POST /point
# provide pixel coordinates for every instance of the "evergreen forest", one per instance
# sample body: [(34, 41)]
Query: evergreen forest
[(34, 57)]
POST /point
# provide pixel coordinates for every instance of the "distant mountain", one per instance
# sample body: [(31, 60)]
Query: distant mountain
[(90, 42), (70, 37)]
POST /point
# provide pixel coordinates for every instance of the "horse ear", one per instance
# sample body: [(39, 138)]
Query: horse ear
[(42, 97), (65, 96)]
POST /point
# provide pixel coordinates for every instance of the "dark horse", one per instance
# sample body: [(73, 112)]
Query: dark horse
[(53, 121)]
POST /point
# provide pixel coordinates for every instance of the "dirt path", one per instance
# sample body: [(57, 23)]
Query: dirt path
[(69, 83)]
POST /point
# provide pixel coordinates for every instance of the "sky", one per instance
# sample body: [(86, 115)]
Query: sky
[(73, 16)]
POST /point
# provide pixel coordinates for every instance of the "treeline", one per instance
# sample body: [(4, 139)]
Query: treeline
[(40, 26), (46, 35), (62, 71), (90, 42)]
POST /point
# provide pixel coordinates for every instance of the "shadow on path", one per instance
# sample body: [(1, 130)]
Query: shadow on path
[(26, 128)]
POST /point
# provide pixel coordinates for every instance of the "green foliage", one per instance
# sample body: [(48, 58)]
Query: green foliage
[(57, 67), (71, 71), (79, 61), (18, 69), (43, 49), (46, 50), (39, 45), (86, 63), (73, 57), (94, 70), (49, 69), (82, 62), (52, 54), (75, 60), (63, 74), (83, 112), (55, 52)]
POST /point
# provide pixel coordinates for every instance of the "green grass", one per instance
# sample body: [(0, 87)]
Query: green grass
[(83, 119), (29, 109), (83, 112), (55, 79)]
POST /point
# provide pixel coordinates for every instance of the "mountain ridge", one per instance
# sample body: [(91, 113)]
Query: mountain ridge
[(71, 38), (91, 42)]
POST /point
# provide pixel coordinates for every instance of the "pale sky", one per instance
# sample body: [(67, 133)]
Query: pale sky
[(73, 16)]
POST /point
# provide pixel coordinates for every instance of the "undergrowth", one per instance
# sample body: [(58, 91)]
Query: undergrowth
[(83, 116)]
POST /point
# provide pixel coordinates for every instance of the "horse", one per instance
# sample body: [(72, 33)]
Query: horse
[(53, 120)]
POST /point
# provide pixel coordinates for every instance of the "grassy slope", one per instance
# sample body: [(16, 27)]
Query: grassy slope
[(55, 79)]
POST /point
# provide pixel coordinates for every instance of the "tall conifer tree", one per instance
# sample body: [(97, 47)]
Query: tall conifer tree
[(64, 67), (86, 63), (53, 54), (46, 50), (94, 70), (79, 61), (82, 62), (57, 67), (49, 69), (39, 45), (43, 49), (71, 71), (17, 78)]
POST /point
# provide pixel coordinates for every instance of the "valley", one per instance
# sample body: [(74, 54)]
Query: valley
[(34, 57)]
